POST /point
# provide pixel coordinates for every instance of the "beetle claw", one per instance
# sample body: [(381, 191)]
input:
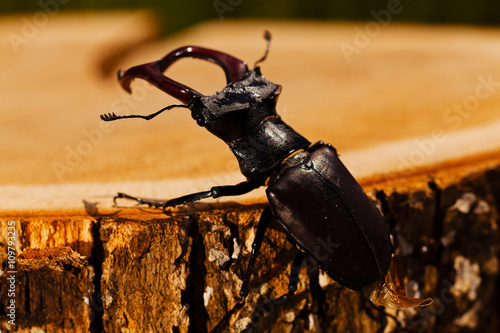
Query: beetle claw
[(109, 116), (141, 201), (121, 195)]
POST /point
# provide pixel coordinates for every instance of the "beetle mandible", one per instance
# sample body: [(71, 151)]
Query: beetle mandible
[(311, 193)]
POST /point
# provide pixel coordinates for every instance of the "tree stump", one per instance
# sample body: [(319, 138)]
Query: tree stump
[(412, 110)]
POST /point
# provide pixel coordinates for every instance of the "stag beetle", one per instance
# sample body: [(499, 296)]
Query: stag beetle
[(311, 193)]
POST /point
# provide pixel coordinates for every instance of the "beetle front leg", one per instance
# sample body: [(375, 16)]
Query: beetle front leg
[(214, 192)]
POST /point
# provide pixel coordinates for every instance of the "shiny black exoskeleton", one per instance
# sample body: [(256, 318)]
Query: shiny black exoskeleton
[(311, 193)]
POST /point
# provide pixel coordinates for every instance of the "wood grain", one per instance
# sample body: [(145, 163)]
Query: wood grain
[(413, 97)]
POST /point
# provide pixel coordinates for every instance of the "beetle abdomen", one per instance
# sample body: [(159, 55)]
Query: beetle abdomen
[(328, 214)]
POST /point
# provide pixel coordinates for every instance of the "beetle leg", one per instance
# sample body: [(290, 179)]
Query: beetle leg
[(257, 242), (265, 217), (292, 287), (214, 192)]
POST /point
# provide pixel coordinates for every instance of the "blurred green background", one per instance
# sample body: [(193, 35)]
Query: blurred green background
[(179, 14)]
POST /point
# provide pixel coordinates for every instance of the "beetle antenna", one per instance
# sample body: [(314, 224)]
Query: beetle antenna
[(112, 116), (267, 37)]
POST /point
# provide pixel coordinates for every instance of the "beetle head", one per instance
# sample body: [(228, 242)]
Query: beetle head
[(229, 114), (234, 111)]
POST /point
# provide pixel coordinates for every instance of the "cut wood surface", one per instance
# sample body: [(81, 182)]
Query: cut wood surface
[(413, 110), (406, 98)]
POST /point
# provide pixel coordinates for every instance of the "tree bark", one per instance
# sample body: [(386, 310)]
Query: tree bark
[(181, 271)]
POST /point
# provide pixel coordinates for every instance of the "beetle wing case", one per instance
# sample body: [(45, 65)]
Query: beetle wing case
[(328, 214)]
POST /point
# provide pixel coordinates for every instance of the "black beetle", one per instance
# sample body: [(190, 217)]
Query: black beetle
[(311, 193)]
